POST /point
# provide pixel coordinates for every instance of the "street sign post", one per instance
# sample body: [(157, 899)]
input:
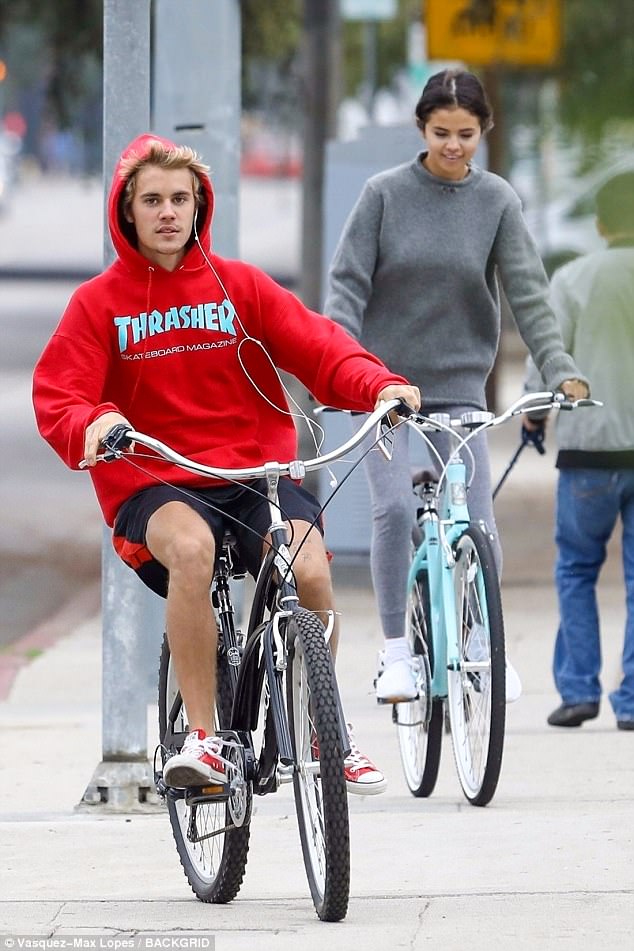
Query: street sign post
[(489, 32), (368, 9)]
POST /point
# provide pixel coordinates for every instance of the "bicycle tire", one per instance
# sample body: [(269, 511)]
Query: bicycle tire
[(476, 691), (215, 866), (419, 723), (321, 798)]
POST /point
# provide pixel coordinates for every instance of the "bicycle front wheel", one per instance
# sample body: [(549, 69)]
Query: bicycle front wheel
[(319, 784), (476, 691), (419, 722), (212, 837)]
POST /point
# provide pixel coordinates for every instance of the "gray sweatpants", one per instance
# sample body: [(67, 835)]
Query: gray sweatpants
[(393, 511)]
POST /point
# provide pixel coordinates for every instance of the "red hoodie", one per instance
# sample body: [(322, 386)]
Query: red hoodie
[(163, 348)]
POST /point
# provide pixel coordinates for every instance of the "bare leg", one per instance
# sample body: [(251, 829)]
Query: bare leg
[(181, 541)]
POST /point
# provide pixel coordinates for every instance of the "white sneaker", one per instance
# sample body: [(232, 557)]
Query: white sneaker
[(396, 682), (513, 683)]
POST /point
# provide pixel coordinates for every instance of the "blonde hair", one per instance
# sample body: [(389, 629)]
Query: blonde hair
[(161, 156)]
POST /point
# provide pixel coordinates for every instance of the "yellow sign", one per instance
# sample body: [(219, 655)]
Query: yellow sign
[(484, 32)]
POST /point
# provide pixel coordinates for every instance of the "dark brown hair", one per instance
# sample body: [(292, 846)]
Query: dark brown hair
[(454, 89)]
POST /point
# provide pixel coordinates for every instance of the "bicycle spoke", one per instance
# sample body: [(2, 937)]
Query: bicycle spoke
[(419, 722), (213, 853), (476, 688)]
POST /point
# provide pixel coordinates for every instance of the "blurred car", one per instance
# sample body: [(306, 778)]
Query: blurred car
[(566, 227)]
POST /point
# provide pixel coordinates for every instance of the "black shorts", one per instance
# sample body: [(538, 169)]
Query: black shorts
[(237, 508)]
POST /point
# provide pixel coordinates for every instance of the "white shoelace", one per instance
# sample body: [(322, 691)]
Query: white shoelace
[(211, 744), (355, 759)]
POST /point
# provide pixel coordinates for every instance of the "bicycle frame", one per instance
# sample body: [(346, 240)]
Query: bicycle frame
[(445, 517), (270, 644)]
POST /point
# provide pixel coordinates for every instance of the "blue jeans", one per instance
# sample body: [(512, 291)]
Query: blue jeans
[(589, 502)]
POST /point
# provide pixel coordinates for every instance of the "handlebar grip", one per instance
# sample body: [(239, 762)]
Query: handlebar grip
[(117, 438), (404, 410)]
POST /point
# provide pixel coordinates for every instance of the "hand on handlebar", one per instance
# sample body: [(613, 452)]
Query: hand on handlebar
[(575, 390), (96, 433), (410, 395)]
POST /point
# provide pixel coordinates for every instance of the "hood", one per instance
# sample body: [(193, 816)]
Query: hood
[(122, 244)]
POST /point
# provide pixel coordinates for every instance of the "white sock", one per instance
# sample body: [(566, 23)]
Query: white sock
[(396, 648)]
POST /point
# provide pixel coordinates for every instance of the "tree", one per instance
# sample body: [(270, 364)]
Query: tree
[(596, 73), (68, 35)]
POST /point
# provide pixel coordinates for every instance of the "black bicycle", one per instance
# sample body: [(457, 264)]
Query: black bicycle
[(277, 706)]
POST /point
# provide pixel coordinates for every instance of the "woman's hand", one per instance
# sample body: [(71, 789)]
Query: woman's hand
[(575, 390)]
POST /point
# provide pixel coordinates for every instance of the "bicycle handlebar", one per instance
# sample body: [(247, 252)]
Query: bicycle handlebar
[(121, 436), (480, 419)]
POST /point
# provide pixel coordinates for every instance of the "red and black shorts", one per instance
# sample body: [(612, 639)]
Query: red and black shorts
[(242, 509)]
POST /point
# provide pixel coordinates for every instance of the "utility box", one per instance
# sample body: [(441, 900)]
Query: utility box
[(348, 521)]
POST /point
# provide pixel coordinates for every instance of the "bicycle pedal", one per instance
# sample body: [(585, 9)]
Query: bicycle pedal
[(390, 702), (216, 792)]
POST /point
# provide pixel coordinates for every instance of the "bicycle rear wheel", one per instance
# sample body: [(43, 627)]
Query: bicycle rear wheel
[(319, 783), (477, 707), (419, 723), (212, 837)]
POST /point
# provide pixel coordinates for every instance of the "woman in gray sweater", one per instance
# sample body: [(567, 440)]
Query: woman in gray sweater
[(414, 279)]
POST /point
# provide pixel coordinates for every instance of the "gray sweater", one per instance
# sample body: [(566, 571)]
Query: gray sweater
[(413, 278), (593, 298)]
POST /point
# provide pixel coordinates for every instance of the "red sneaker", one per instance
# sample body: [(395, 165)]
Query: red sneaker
[(198, 763), (362, 776)]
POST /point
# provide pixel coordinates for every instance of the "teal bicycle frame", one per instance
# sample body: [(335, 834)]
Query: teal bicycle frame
[(435, 555)]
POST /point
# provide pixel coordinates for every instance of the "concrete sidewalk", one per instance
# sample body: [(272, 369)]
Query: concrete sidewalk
[(549, 864)]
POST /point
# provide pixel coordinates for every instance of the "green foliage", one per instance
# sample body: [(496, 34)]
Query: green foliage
[(65, 38), (270, 30), (597, 66), (271, 35)]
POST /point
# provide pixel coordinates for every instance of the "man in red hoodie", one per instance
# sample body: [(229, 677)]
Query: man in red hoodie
[(184, 345)]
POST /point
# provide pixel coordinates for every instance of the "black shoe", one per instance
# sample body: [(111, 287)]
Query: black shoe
[(625, 724), (573, 714)]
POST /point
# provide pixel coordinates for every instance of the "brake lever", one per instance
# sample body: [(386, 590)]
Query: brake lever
[(114, 442)]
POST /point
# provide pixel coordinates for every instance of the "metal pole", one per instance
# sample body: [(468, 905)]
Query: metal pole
[(197, 102), (321, 46), (370, 54), (123, 781), (194, 84), (201, 107)]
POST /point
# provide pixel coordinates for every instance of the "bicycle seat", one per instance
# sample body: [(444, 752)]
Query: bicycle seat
[(229, 542), (421, 476)]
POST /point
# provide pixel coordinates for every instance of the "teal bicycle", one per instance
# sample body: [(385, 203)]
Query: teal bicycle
[(455, 624)]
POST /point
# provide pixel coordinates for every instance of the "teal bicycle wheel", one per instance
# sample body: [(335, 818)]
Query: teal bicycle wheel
[(476, 690), (419, 723)]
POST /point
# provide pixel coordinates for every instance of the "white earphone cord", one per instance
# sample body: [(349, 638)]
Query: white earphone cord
[(312, 424)]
